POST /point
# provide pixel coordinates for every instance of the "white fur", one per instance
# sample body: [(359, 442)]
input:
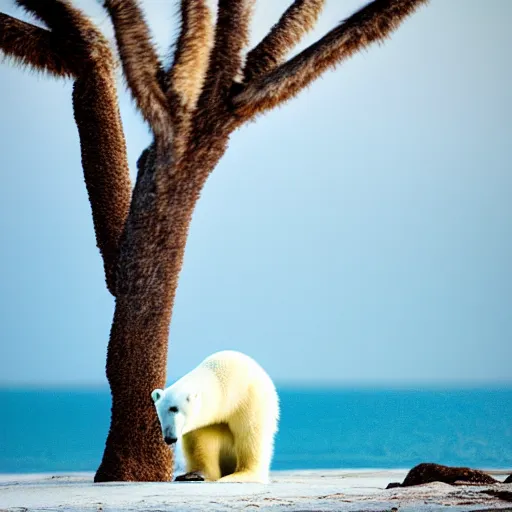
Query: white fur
[(227, 415)]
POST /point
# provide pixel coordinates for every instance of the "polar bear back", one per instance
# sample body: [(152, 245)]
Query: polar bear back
[(233, 384), (241, 379)]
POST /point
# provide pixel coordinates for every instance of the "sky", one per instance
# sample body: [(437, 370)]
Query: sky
[(359, 235)]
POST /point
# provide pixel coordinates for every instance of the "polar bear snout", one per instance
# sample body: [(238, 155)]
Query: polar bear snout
[(170, 440)]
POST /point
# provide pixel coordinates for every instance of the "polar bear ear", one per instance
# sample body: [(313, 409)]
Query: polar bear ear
[(157, 394)]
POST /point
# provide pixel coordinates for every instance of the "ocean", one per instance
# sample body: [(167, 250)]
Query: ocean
[(58, 430)]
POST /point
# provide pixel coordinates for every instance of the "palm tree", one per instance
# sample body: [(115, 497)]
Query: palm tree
[(192, 108)]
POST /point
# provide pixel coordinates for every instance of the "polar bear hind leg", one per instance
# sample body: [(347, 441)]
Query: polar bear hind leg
[(254, 455), (254, 425), (254, 470), (209, 451)]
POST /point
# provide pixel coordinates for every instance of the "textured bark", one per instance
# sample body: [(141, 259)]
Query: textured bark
[(231, 36), (33, 46), (191, 56), (298, 19), (151, 257), (135, 450), (104, 162), (188, 73), (74, 47), (192, 110), (372, 23), (142, 68)]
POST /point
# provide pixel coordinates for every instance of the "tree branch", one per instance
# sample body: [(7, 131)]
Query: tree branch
[(76, 40), (231, 36), (58, 15), (104, 162), (74, 33), (297, 20), (372, 23), (141, 65), (191, 57), (34, 47)]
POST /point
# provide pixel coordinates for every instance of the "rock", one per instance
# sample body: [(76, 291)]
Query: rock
[(392, 485), (190, 477), (426, 473), (502, 495), (508, 480)]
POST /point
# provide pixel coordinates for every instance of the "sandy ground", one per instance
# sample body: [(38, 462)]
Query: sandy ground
[(327, 490)]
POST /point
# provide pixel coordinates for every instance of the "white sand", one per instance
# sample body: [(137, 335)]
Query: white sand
[(321, 490)]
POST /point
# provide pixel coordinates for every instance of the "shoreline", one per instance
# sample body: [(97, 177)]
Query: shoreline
[(305, 490)]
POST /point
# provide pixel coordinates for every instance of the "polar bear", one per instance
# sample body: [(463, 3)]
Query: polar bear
[(225, 412)]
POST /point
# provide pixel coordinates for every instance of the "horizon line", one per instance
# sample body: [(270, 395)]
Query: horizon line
[(424, 385)]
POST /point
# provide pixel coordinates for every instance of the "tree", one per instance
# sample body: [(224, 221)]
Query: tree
[(192, 108)]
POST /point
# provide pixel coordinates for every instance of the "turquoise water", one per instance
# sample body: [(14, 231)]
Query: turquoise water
[(58, 430)]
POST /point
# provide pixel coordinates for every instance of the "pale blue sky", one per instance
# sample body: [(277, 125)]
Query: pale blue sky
[(360, 234)]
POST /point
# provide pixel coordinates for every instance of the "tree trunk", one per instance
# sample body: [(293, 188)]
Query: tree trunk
[(151, 257), (135, 450), (150, 260)]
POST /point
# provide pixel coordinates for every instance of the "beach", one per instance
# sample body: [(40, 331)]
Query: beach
[(320, 430), (308, 490)]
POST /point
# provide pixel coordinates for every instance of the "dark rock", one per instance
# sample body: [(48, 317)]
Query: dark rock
[(508, 480), (426, 473), (502, 495), (392, 485), (190, 477)]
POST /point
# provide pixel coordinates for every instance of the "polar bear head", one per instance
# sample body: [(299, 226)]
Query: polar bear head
[(177, 412)]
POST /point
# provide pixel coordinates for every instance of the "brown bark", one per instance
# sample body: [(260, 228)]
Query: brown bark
[(136, 363), (142, 68), (171, 175), (134, 449), (33, 46), (297, 20), (191, 56), (74, 47), (104, 163), (191, 109), (372, 23), (151, 257)]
